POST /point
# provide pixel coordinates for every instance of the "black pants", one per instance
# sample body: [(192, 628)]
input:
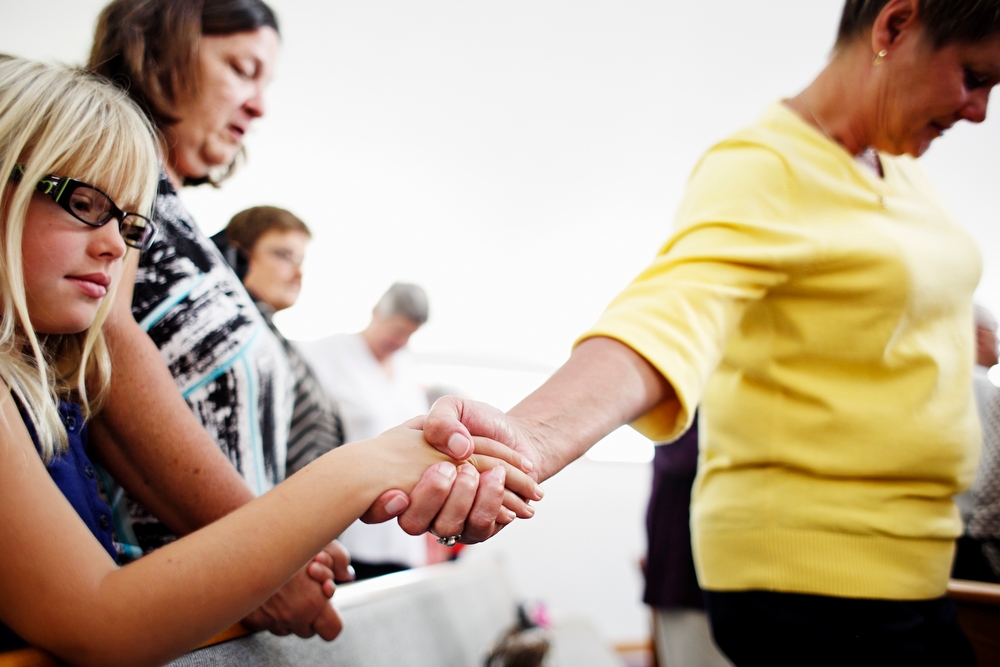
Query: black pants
[(775, 629)]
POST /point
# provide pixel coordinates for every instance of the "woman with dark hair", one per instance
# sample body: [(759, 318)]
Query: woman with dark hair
[(186, 458), (200, 404), (202, 91), (80, 161), (815, 300)]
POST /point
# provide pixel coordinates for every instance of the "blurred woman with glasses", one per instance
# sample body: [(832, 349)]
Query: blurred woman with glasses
[(266, 246)]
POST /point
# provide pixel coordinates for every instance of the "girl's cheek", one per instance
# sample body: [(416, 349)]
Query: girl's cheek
[(117, 267)]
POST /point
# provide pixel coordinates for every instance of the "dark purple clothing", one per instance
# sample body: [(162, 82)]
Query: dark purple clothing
[(670, 576)]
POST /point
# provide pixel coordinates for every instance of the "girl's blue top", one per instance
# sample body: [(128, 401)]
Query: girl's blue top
[(76, 477)]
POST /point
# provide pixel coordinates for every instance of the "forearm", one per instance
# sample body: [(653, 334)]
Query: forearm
[(218, 574), (152, 444), (604, 385)]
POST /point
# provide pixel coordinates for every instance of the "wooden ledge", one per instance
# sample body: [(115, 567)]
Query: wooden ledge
[(978, 592)]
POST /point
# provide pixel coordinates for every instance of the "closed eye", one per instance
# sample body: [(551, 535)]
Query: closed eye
[(242, 70), (975, 80)]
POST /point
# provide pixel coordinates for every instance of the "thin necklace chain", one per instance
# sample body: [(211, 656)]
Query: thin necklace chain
[(868, 157)]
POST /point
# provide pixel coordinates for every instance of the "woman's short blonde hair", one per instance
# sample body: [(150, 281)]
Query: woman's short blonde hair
[(64, 122)]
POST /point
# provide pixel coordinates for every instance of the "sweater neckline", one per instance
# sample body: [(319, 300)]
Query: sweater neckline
[(882, 187)]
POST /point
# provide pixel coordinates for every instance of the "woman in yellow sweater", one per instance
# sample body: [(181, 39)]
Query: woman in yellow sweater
[(816, 300)]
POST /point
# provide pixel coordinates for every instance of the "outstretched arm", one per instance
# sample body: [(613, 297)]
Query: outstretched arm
[(100, 614), (152, 444), (603, 385)]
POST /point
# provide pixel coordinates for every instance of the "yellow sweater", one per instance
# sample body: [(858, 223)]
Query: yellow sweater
[(823, 318)]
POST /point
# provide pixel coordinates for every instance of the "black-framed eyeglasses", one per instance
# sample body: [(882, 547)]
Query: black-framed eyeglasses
[(93, 207)]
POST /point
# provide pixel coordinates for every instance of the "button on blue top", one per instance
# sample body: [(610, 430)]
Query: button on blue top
[(74, 474)]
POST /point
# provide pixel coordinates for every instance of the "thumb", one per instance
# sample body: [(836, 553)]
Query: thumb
[(444, 430)]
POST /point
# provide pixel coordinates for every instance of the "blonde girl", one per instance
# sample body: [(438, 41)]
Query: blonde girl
[(75, 158)]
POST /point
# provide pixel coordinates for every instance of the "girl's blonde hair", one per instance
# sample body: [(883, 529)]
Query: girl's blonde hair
[(64, 122)]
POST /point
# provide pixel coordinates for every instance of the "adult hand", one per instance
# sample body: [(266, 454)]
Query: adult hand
[(603, 385), (450, 427), (330, 566), (302, 606), (454, 421), (448, 501)]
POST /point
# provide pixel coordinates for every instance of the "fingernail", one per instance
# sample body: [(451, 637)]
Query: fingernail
[(530, 510), (351, 573), (511, 514), (396, 506), (526, 464), (500, 473), (468, 470), (458, 446), (539, 492), (447, 470)]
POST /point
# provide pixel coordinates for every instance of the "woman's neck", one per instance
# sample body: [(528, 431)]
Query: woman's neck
[(834, 103), (172, 175), (169, 166)]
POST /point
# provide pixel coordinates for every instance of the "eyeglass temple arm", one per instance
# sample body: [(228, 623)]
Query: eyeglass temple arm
[(46, 185)]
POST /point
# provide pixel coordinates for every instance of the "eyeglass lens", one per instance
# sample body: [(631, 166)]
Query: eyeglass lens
[(90, 205), (96, 208), (135, 230)]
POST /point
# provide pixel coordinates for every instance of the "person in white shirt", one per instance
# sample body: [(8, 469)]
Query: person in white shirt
[(977, 555), (368, 376)]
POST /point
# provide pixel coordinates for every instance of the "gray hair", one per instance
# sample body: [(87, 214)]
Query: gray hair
[(404, 299)]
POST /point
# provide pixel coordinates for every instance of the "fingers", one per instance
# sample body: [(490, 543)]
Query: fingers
[(444, 430), (320, 574), (323, 558), (451, 519), (389, 505), (517, 481), (328, 624), (428, 497), (481, 523), (498, 450), (515, 506), (340, 561), (258, 620), (298, 604)]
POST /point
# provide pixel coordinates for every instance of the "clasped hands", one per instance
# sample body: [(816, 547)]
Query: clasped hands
[(493, 486)]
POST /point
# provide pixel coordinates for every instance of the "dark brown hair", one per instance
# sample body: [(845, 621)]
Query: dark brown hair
[(150, 48), (246, 227), (946, 21)]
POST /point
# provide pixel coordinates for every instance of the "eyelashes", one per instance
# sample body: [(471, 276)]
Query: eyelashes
[(974, 81)]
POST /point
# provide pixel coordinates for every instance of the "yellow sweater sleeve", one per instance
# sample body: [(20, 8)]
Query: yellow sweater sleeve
[(736, 239)]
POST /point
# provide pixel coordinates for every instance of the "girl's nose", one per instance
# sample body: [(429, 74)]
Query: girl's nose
[(107, 241)]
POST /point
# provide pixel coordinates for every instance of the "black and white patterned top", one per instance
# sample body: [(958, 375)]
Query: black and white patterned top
[(227, 363), (316, 427)]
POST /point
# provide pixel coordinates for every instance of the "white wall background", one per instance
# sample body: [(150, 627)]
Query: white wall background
[(522, 160)]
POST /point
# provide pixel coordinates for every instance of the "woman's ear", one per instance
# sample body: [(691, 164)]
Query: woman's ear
[(896, 20)]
